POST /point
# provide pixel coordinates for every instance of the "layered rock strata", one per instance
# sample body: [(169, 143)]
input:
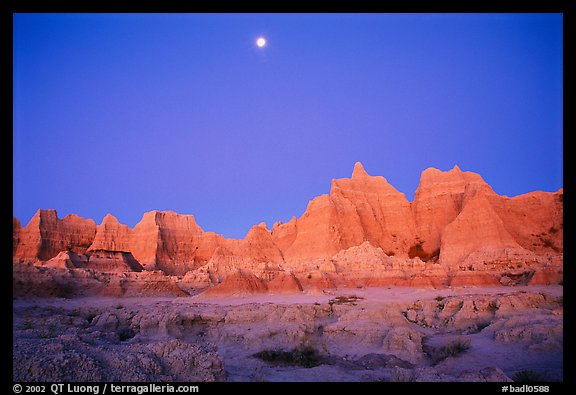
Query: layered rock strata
[(362, 233)]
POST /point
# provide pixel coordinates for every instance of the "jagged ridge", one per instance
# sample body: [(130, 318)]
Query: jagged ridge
[(456, 222)]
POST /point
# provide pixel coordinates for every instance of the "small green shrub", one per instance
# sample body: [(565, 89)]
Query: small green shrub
[(50, 332), (453, 349), (345, 299), (439, 298), (305, 356)]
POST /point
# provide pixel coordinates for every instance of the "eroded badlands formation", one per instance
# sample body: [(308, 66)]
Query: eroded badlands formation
[(373, 334), (457, 231), (459, 285)]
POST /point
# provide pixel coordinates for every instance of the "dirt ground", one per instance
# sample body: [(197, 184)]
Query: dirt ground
[(367, 334)]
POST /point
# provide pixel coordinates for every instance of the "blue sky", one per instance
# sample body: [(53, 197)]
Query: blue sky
[(126, 113)]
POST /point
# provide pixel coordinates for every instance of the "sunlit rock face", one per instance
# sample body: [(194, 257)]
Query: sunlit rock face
[(362, 233)]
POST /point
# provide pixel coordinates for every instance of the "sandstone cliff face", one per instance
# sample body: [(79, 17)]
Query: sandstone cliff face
[(161, 240), (111, 235), (366, 265), (284, 234), (175, 244), (259, 245), (66, 260), (534, 219), (256, 252), (476, 226), (284, 283), (111, 261), (370, 209), (439, 199), (97, 260), (178, 238), (46, 235), (239, 283), (360, 208), (317, 234), (364, 232)]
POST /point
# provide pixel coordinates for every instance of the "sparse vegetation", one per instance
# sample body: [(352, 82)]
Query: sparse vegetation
[(28, 324), (49, 333), (345, 299), (552, 230), (304, 356), (439, 298), (527, 376), (453, 349)]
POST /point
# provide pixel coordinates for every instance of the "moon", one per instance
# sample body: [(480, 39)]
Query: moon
[(261, 42)]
